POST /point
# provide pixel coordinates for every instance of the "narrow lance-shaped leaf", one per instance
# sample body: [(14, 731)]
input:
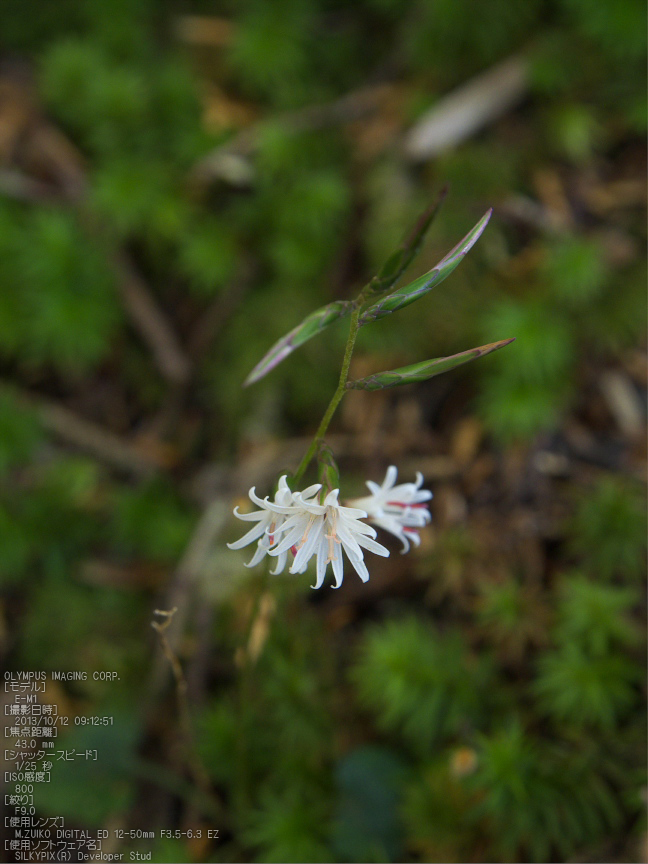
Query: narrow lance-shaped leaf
[(399, 261), (309, 327), (390, 273), (415, 290), (423, 371)]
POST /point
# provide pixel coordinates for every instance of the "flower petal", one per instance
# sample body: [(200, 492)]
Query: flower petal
[(372, 546), (254, 516), (360, 568), (309, 542), (258, 556), (390, 477), (281, 563), (338, 565), (321, 566), (252, 535)]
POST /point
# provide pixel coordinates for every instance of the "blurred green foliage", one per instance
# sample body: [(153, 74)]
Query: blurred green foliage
[(505, 724), (68, 794), (64, 312), (608, 529), (420, 683)]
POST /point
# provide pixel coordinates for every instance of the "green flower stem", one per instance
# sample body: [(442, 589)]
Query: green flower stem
[(354, 326)]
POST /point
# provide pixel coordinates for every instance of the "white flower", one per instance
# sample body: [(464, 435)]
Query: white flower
[(269, 518), (323, 530), (296, 521), (398, 509)]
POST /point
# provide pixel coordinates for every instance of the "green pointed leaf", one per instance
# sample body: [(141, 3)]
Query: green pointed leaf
[(415, 290), (399, 261), (423, 371), (309, 327), (390, 273)]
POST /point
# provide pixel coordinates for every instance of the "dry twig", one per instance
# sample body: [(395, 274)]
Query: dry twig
[(467, 109), (94, 439), (198, 772)]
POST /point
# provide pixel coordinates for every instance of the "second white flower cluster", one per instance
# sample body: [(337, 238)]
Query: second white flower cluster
[(298, 522)]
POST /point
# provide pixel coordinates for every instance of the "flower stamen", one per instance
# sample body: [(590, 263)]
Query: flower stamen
[(311, 522)]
